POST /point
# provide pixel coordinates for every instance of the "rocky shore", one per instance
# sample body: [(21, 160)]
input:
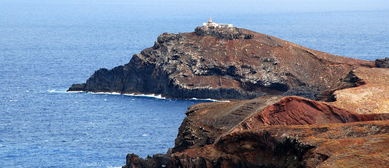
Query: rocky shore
[(289, 106)]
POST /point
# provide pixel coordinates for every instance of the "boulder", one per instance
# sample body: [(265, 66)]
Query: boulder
[(382, 63)]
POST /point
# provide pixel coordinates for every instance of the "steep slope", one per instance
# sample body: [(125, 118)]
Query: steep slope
[(371, 95), (279, 132), (226, 63), (274, 132), (207, 121)]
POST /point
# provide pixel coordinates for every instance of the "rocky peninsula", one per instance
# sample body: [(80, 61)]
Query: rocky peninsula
[(289, 106), (226, 63)]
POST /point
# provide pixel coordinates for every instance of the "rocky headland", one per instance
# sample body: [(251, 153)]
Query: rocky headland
[(226, 63), (289, 106)]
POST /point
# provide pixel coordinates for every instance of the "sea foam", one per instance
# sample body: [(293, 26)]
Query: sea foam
[(156, 96), (57, 91)]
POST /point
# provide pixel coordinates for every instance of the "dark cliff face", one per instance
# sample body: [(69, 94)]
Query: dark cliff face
[(382, 63), (225, 63)]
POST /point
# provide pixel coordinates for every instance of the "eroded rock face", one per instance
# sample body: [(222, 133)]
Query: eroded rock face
[(382, 63), (358, 144), (324, 145), (278, 132), (207, 121), (231, 63), (274, 131), (271, 130)]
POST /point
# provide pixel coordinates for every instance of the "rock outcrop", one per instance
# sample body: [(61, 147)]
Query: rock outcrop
[(370, 96), (279, 126), (207, 121), (278, 132), (382, 63), (226, 63), (274, 131)]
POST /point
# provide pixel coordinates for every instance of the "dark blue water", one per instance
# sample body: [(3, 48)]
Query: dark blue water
[(44, 49)]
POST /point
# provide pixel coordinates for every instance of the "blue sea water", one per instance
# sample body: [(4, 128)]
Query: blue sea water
[(44, 49)]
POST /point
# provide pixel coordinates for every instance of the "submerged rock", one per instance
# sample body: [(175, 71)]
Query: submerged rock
[(226, 63)]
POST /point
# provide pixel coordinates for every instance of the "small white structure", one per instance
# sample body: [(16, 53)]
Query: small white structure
[(212, 24)]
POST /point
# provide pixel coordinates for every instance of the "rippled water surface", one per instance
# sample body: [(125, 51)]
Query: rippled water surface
[(44, 49)]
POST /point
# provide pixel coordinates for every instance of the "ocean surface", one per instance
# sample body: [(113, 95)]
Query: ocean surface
[(45, 49)]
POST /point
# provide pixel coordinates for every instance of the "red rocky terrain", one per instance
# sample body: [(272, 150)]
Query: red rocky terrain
[(226, 63), (351, 129), (303, 108), (275, 132)]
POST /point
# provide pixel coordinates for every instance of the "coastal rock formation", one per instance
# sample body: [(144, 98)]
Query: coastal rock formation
[(207, 121), (279, 131), (226, 63), (358, 144), (382, 63), (279, 126), (274, 131)]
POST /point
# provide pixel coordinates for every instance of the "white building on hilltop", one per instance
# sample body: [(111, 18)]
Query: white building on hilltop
[(212, 24)]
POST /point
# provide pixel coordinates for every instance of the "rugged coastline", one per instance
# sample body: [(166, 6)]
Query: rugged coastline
[(290, 106), (226, 63), (281, 131)]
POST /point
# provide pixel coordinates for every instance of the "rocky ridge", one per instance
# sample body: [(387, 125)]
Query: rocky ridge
[(226, 63), (207, 121), (351, 129), (274, 132), (278, 131)]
